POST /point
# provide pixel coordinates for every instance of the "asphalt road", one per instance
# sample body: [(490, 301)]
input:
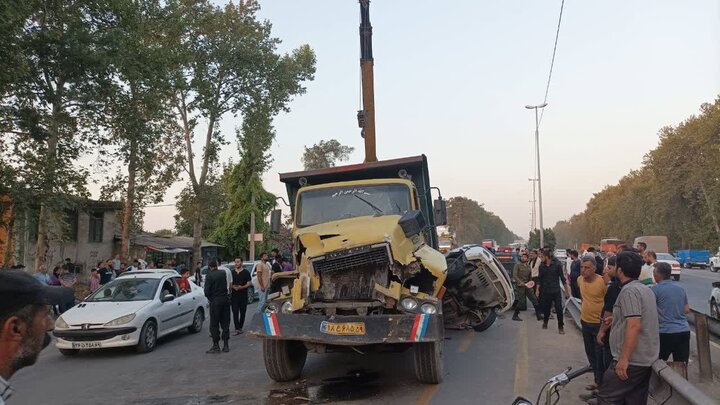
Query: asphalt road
[(492, 367), (698, 285)]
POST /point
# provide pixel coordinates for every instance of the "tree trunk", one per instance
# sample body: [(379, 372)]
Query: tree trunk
[(48, 188), (9, 243), (129, 203), (711, 209), (197, 229)]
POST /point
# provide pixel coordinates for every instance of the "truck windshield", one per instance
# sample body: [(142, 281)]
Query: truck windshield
[(334, 203)]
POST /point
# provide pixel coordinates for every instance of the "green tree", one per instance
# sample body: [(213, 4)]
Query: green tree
[(185, 206), (225, 63), (142, 133), (325, 154), (472, 223), (52, 67), (164, 233), (548, 239)]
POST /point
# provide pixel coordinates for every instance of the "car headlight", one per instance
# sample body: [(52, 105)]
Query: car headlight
[(121, 321), (409, 304), (428, 308), (61, 324), (286, 307)]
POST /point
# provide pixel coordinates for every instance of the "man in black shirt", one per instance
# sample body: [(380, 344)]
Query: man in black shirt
[(241, 281), (216, 291), (105, 273), (611, 295), (552, 281)]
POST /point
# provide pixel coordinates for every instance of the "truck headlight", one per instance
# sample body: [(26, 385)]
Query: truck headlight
[(271, 309), (121, 321), (409, 304), (61, 324), (428, 308), (286, 307)]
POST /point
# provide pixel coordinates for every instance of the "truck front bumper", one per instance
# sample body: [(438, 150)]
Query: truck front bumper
[(378, 329)]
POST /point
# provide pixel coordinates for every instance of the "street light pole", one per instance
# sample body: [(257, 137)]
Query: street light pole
[(539, 181), (533, 213)]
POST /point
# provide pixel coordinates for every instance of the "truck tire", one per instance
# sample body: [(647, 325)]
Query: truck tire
[(428, 362), (489, 318), (284, 359)]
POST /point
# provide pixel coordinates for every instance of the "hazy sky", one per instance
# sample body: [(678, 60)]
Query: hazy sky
[(452, 79)]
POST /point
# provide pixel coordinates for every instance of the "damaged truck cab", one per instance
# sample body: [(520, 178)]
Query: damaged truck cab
[(367, 274)]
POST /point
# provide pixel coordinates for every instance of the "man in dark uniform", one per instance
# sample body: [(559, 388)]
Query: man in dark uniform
[(521, 277), (216, 291), (552, 281), (241, 281)]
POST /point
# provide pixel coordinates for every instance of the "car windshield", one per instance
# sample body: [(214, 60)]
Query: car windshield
[(334, 203), (665, 256), (248, 267), (126, 289)]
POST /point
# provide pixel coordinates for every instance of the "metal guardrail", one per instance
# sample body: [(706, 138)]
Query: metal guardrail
[(712, 323), (666, 386)]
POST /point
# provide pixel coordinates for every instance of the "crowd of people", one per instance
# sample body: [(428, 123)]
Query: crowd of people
[(631, 313)]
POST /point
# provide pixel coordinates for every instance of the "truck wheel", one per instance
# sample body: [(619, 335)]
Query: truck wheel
[(284, 359), (428, 362), (488, 317), (676, 277)]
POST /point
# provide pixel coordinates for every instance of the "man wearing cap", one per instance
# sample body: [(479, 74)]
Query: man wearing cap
[(25, 322)]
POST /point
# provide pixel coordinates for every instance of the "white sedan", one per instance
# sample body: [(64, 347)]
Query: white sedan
[(135, 309), (715, 300), (673, 262)]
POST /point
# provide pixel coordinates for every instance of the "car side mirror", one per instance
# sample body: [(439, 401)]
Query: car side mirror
[(275, 219), (167, 297), (440, 212)]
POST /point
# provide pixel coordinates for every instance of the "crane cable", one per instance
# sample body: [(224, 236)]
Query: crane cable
[(552, 61)]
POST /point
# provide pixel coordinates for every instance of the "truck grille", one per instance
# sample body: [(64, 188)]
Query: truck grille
[(351, 274)]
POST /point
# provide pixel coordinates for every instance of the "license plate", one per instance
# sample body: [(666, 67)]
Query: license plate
[(86, 345), (347, 328)]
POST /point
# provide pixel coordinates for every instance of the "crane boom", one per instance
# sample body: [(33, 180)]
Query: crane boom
[(366, 117)]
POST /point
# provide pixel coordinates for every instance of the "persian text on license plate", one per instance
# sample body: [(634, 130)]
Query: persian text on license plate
[(86, 345), (347, 328)]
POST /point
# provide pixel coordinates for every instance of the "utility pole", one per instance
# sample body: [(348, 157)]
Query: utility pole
[(533, 213), (252, 228), (539, 181), (366, 116)]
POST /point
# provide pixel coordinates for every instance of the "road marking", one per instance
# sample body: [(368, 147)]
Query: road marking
[(521, 363), (467, 340), (428, 394)]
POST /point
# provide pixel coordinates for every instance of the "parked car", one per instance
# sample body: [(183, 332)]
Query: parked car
[(135, 309), (672, 261), (690, 258), (715, 300), (249, 266)]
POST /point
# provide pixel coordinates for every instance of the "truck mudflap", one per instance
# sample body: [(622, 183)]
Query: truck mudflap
[(335, 330)]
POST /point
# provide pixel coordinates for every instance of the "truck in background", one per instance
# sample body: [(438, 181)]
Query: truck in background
[(610, 244), (690, 258), (656, 243), (446, 239), (490, 244)]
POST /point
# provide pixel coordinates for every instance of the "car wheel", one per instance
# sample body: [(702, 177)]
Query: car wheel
[(487, 318), (251, 295), (197, 323), (148, 337), (714, 310), (676, 277), (69, 352)]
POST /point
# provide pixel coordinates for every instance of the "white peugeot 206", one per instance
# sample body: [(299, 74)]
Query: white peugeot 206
[(135, 309)]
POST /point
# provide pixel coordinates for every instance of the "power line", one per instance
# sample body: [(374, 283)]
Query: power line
[(552, 61)]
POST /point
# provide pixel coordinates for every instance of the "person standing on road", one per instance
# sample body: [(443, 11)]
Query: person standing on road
[(68, 280), (593, 288), (648, 269), (535, 270), (599, 262), (25, 322), (613, 290), (42, 275), (575, 274), (633, 337), (673, 307), (216, 291), (240, 284), (551, 278), (198, 273), (116, 264), (94, 282), (263, 280), (524, 291), (641, 248)]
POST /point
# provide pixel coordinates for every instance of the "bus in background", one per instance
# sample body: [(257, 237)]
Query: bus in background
[(610, 244)]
